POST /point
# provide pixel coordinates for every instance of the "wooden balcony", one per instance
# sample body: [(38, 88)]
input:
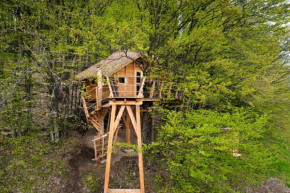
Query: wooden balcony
[(129, 88)]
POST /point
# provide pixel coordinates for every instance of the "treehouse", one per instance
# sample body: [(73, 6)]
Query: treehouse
[(119, 76), (116, 90)]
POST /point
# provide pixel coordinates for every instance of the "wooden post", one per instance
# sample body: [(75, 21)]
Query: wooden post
[(109, 151), (110, 87), (97, 99), (100, 89), (152, 89), (126, 120), (128, 134), (136, 122), (139, 141), (140, 94)]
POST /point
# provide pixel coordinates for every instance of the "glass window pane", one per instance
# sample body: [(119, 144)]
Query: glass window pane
[(138, 79), (121, 79)]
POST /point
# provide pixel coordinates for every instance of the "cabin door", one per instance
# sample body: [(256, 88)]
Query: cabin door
[(139, 75)]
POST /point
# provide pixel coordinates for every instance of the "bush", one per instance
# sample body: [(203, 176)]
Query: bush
[(207, 151)]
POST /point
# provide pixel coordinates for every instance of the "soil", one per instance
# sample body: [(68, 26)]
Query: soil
[(85, 175)]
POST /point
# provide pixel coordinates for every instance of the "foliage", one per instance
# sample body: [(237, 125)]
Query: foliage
[(230, 59), (90, 183), (33, 164), (198, 147)]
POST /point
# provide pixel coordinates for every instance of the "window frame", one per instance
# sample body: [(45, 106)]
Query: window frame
[(122, 77)]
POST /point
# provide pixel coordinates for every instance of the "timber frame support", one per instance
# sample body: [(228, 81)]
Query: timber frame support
[(114, 122)]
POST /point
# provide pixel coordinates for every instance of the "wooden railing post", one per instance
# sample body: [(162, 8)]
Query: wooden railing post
[(110, 87), (140, 94), (99, 90), (152, 89), (97, 98)]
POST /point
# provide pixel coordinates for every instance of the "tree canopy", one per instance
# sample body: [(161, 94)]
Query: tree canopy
[(229, 57)]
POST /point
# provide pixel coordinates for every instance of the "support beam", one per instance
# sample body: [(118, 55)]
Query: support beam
[(127, 102), (109, 150), (126, 120), (133, 121), (105, 112), (139, 142), (136, 122), (128, 135), (119, 116)]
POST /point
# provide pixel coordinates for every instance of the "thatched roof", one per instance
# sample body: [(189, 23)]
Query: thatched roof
[(109, 65)]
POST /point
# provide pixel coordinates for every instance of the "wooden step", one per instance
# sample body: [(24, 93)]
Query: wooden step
[(125, 190)]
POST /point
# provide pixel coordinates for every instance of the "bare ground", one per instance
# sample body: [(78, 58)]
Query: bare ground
[(85, 175)]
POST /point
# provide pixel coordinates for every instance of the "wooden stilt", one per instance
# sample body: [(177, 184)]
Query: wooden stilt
[(139, 141), (109, 150), (126, 120), (128, 134), (136, 122)]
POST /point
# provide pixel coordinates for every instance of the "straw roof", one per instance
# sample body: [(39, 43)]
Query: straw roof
[(109, 65)]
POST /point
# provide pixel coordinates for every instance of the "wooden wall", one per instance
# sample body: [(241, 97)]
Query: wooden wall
[(92, 91), (128, 89)]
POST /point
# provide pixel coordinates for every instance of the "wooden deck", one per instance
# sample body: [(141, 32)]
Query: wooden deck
[(99, 97)]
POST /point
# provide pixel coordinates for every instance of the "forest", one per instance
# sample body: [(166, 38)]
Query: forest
[(230, 59)]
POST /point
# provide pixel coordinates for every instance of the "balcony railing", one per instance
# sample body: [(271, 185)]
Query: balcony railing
[(131, 88)]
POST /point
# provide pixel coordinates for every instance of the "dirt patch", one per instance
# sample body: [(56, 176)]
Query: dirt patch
[(79, 161), (85, 175)]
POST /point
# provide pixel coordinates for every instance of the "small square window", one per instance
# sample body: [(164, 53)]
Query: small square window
[(121, 79)]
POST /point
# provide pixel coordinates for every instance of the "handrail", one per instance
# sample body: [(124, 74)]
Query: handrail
[(144, 88)]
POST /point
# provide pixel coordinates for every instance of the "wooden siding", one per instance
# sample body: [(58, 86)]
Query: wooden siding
[(91, 90), (128, 88)]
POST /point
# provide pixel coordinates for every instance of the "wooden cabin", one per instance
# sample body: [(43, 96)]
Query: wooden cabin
[(116, 90), (118, 76)]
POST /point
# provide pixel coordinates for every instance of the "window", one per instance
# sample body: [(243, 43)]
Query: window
[(121, 79), (138, 79)]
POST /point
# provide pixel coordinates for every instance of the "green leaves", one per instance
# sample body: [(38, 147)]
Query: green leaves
[(199, 148)]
